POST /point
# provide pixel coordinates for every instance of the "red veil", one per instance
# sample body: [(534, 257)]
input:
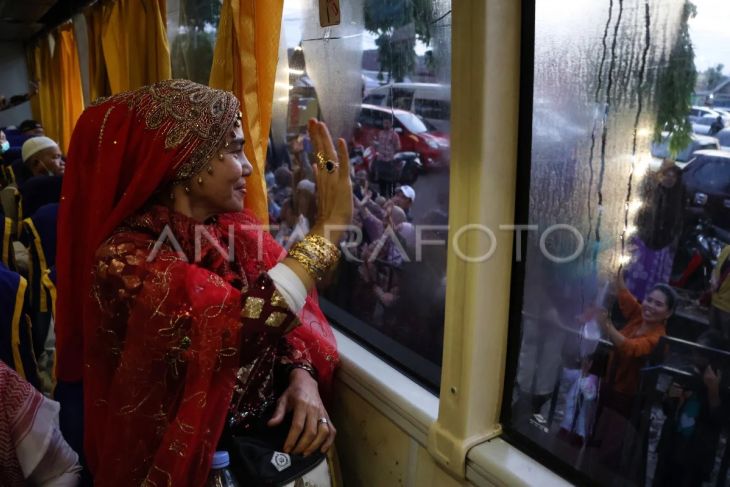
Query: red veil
[(123, 150)]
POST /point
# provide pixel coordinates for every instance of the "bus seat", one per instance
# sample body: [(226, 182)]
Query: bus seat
[(7, 255), (10, 202), (39, 236), (12, 154), (39, 191), (16, 347), (15, 138)]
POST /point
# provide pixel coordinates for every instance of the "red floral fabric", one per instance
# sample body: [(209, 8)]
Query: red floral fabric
[(174, 334), (158, 342)]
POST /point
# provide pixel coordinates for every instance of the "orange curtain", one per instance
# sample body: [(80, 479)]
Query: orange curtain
[(41, 68), (244, 61), (128, 45), (98, 78), (60, 99), (68, 85)]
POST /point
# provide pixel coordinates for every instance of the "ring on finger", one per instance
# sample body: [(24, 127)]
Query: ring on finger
[(331, 165), (321, 160), (323, 421)]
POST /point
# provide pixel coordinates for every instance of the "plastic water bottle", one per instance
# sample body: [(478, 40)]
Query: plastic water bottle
[(220, 475)]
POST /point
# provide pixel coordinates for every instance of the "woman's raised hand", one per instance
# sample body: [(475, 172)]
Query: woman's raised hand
[(334, 188)]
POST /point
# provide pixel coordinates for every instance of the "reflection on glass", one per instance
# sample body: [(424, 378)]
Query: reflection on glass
[(381, 81), (191, 30), (623, 370)]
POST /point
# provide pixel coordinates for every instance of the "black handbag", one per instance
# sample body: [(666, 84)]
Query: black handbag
[(257, 459)]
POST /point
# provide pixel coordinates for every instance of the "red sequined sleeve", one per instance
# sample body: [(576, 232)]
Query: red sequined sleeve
[(160, 369)]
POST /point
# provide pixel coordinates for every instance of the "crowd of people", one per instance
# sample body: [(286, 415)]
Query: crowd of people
[(380, 277), (620, 397), (33, 449)]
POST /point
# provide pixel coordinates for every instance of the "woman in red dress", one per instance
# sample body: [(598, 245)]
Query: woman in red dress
[(175, 307)]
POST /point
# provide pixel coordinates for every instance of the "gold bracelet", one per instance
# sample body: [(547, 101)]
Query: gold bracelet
[(316, 254)]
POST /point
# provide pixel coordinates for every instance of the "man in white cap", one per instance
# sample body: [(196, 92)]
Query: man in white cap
[(404, 197), (42, 156)]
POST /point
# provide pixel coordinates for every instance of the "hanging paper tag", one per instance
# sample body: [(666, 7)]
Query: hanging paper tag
[(329, 12)]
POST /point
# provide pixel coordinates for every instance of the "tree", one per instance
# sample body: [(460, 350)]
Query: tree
[(198, 13), (192, 48), (713, 76), (675, 85), (398, 23)]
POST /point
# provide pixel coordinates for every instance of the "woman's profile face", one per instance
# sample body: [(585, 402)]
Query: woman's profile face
[(223, 189)]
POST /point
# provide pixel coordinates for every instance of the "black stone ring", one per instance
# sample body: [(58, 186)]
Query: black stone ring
[(331, 165)]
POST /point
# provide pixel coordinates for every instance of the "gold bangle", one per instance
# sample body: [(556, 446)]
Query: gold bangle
[(316, 254)]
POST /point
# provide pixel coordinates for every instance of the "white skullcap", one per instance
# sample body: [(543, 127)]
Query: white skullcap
[(34, 145)]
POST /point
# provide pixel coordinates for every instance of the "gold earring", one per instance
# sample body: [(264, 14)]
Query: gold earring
[(210, 168), (187, 189), (220, 157), (200, 180)]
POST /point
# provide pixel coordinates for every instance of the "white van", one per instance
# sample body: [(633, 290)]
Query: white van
[(431, 101)]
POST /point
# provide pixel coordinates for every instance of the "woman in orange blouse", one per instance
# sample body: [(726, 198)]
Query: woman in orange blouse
[(646, 323)]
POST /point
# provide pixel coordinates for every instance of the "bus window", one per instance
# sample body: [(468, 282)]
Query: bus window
[(390, 285), (191, 31), (437, 109), (618, 367), (402, 98)]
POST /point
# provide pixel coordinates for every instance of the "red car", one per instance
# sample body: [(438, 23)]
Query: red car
[(432, 146)]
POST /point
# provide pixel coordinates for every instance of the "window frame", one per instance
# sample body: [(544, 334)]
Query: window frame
[(484, 123)]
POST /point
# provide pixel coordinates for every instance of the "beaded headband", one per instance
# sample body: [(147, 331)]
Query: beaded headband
[(191, 117)]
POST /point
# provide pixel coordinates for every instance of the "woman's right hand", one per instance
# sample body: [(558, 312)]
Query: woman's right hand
[(334, 190)]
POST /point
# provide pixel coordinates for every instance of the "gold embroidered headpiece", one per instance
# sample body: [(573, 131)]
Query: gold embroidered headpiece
[(192, 118)]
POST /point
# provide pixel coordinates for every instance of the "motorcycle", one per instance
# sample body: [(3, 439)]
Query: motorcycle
[(409, 164), (697, 256)]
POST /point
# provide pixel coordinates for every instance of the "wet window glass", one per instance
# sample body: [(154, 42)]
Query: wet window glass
[(716, 173), (432, 109), (366, 78), (621, 353), (191, 31)]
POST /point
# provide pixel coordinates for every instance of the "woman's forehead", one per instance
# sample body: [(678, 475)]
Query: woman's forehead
[(657, 295)]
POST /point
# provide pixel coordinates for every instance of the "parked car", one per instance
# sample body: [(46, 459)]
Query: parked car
[(723, 137), (702, 119), (660, 150), (432, 147), (707, 182), (431, 101), (698, 112), (724, 111)]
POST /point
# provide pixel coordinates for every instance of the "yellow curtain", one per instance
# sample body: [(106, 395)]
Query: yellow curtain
[(60, 99), (244, 61), (45, 106), (68, 87), (128, 45), (98, 78), (32, 60)]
